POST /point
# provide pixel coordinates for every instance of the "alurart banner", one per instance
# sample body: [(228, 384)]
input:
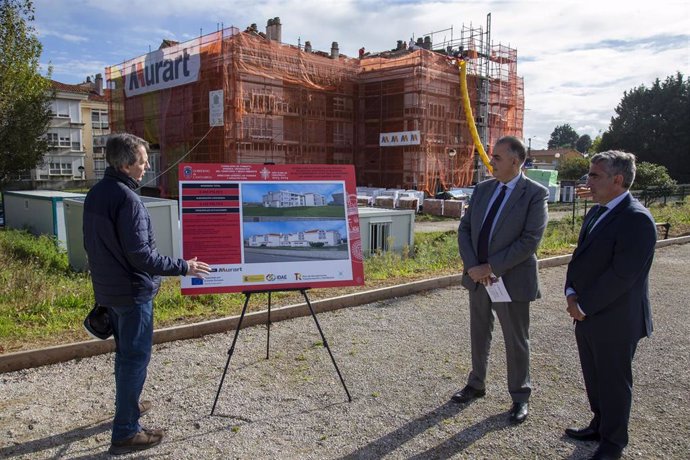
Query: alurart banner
[(164, 68), (270, 227)]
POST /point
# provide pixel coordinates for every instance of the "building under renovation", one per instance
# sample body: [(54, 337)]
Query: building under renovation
[(245, 97)]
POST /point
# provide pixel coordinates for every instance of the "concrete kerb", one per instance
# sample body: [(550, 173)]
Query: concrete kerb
[(61, 353)]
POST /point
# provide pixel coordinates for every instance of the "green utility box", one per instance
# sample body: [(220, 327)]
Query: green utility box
[(546, 177)]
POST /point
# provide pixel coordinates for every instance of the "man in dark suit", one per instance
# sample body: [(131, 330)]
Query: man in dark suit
[(608, 298), (498, 237)]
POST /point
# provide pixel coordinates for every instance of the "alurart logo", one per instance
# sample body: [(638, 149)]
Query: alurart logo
[(160, 69)]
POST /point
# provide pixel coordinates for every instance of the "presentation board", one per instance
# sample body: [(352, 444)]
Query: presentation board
[(270, 227)]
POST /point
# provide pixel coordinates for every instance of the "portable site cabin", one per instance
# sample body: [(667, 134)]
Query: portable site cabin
[(385, 229), (164, 219), (41, 212)]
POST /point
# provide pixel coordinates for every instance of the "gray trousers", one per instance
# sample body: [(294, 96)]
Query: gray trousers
[(514, 319)]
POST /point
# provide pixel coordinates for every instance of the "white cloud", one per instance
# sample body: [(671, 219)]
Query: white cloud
[(44, 32)]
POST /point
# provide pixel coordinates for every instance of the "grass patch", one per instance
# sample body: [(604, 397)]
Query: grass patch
[(42, 302)]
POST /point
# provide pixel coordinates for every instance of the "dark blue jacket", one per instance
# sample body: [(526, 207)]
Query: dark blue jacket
[(118, 238)]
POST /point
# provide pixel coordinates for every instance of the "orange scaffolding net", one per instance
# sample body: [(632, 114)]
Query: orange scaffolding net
[(288, 104)]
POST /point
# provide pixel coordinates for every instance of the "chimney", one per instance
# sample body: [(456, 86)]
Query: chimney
[(277, 30), (269, 29), (427, 42), (307, 46), (99, 84), (88, 79), (335, 52)]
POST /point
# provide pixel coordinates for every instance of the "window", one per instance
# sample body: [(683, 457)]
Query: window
[(75, 137), (100, 141), (52, 139), (258, 127), (62, 109), (98, 168), (66, 109), (378, 237), (64, 139), (60, 168), (99, 119)]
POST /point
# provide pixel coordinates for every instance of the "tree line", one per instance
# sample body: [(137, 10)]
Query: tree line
[(651, 122)]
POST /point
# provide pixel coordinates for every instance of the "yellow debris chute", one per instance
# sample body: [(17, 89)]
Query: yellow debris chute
[(462, 67)]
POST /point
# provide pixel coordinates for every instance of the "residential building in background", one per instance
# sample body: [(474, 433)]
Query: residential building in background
[(551, 158), (76, 134)]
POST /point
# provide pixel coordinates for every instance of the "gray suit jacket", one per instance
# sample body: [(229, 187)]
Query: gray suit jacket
[(517, 233)]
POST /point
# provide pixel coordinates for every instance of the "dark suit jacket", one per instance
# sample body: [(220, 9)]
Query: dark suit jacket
[(609, 272), (517, 233)]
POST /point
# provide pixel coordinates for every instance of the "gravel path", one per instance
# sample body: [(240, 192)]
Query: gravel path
[(401, 360)]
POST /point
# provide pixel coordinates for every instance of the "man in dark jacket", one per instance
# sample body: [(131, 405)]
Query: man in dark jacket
[(126, 271), (607, 295)]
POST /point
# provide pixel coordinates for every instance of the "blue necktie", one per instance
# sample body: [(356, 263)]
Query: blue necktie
[(485, 232)]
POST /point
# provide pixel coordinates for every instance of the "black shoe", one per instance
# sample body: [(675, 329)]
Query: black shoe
[(467, 394), (604, 455), (584, 434), (519, 412)]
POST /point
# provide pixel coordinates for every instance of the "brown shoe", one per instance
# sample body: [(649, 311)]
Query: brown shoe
[(144, 407), (144, 439)]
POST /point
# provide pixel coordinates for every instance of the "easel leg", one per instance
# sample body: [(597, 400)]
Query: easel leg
[(268, 325), (232, 349), (325, 343)]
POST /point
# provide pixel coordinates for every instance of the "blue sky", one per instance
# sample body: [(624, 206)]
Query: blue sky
[(577, 57)]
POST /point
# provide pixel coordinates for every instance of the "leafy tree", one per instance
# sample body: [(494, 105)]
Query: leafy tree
[(651, 175), (595, 145), (583, 143), (24, 93), (653, 124), (563, 136), (573, 168)]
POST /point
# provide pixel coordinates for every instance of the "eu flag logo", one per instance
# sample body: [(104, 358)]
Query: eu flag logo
[(197, 281)]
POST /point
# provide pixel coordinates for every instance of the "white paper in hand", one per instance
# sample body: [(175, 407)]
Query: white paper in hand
[(497, 291)]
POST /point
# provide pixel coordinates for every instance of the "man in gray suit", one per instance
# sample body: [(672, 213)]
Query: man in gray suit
[(498, 238)]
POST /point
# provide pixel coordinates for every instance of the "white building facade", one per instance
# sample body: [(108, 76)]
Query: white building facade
[(76, 133), (286, 199), (298, 239)]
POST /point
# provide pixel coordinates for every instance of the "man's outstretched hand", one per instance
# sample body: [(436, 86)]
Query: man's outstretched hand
[(197, 268)]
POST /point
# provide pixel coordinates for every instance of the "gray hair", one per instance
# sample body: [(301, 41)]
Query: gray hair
[(515, 145), (121, 149), (617, 162)]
